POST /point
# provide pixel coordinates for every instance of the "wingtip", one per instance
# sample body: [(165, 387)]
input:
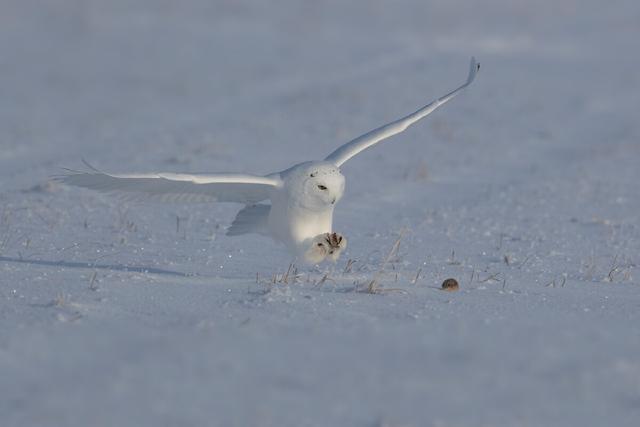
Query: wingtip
[(89, 165), (474, 67)]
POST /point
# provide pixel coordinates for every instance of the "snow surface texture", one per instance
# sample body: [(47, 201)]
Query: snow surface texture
[(525, 190)]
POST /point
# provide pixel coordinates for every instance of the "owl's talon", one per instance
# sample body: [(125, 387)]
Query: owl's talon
[(337, 243), (327, 245)]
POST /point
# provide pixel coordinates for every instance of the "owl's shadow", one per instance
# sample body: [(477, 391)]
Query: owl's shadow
[(90, 265)]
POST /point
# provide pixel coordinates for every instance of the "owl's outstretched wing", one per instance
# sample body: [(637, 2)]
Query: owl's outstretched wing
[(353, 147), (173, 187)]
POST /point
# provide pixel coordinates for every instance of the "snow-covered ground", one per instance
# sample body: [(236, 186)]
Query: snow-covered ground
[(524, 189)]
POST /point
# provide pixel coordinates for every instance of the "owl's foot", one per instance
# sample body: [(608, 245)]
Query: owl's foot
[(327, 245), (337, 243)]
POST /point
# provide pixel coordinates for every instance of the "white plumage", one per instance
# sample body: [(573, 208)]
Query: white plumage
[(301, 199)]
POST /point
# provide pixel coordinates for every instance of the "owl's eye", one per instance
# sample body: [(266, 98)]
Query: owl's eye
[(322, 187)]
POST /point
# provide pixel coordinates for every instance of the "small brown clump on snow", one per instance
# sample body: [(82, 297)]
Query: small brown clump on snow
[(450, 285)]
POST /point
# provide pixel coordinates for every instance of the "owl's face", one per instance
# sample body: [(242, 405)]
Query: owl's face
[(322, 186)]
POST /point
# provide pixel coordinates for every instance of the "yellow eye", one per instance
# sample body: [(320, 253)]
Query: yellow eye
[(322, 187)]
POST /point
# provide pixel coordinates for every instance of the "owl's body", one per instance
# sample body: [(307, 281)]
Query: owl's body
[(300, 209), (294, 206)]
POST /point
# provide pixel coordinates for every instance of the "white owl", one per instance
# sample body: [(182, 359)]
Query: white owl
[(294, 206)]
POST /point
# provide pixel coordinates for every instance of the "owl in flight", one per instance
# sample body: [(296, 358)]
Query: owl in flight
[(294, 206)]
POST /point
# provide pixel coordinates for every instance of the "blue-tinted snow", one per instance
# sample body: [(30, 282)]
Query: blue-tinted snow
[(524, 188)]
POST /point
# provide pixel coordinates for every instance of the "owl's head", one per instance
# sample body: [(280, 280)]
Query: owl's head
[(319, 185)]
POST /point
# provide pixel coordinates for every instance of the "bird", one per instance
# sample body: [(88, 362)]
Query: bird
[(294, 206)]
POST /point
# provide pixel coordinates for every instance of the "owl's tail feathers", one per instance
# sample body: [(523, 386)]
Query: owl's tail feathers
[(251, 219)]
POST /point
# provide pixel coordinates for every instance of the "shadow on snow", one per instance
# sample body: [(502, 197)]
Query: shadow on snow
[(114, 267)]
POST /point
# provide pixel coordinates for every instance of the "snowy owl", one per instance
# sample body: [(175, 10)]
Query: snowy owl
[(294, 206)]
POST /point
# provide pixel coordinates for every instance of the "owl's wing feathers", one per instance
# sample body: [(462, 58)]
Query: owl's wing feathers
[(173, 187), (353, 147)]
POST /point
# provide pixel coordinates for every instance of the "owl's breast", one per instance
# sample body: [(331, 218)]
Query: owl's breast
[(294, 226)]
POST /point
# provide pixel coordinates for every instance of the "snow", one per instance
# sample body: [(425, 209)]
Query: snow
[(524, 189)]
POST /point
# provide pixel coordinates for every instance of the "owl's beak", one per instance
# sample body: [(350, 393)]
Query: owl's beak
[(333, 202)]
